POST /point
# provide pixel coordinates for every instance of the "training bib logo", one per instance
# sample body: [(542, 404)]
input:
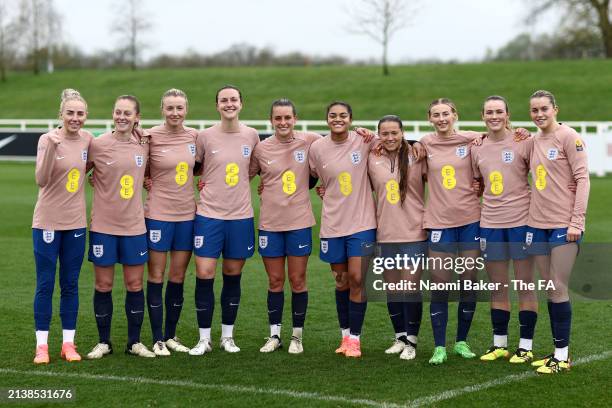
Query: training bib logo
[(84, 155), (198, 241), (435, 236), (155, 236), (263, 241), (324, 246), (139, 160), (507, 156), (48, 236), (552, 154), (299, 156), (246, 151), (461, 151), (192, 149), (356, 157), (98, 250)]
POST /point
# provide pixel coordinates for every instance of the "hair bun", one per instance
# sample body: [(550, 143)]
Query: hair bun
[(69, 93)]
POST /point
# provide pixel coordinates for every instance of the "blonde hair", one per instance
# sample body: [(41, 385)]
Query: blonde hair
[(545, 94), (173, 92), (70, 94)]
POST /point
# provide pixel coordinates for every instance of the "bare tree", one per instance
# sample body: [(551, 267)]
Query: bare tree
[(5, 29), (130, 26), (589, 13), (380, 20), (39, 28)]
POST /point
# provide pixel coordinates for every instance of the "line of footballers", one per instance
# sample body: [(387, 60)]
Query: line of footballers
[(372, 190)]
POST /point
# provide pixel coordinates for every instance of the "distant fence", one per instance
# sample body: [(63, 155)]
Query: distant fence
[(18, 137)]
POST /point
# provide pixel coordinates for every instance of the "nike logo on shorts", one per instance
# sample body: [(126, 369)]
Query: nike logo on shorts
[(143, 253), (561, 235), (476, 238), (78, 235), (249, 248), (302, 246)]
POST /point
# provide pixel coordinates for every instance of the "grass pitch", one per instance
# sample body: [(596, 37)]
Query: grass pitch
[(316, 378)]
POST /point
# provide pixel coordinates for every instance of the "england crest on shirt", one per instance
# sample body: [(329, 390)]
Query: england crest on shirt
[(507, 156), (552, 154), (324, 246), (299, 156), (98, 250), (246, 151), (192, 149), (139, 160), (198, 241), (155, 236), (461, 151), (263, 241), (356, 157), (48, 236), (84, 155)]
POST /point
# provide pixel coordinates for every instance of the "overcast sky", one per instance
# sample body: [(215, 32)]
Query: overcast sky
[(442, 29)]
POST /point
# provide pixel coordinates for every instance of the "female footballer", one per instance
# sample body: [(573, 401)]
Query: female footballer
[(503, 165), (348, 217), (556, 217), (399, 186), (451, 214), (60, 171), (286, 219), (224, 217), (118, 232), (169, 212)]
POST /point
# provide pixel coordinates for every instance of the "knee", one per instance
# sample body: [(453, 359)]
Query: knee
[(276, 283), (298, 284)]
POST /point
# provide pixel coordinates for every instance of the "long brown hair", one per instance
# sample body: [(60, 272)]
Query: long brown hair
[(403, 156)]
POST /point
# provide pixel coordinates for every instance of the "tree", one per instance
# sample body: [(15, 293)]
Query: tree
[(587, 13), (38, 27), (5, 50), (380, 20), (130, 26)]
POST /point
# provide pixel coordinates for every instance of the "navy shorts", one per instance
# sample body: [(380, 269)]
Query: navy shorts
[(338, 250), (541, 241), (165, 236), (465, 237), (234, 238), (107, 250), (502, 244), (285, 243)]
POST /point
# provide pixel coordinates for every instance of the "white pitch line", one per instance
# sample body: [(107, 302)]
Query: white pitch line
[(446, 395), (222, 387)]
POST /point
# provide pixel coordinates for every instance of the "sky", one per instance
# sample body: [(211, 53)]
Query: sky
[(443, 29)]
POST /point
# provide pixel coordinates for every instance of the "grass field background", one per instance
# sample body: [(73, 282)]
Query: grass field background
[(581, 87), (377, 378)]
